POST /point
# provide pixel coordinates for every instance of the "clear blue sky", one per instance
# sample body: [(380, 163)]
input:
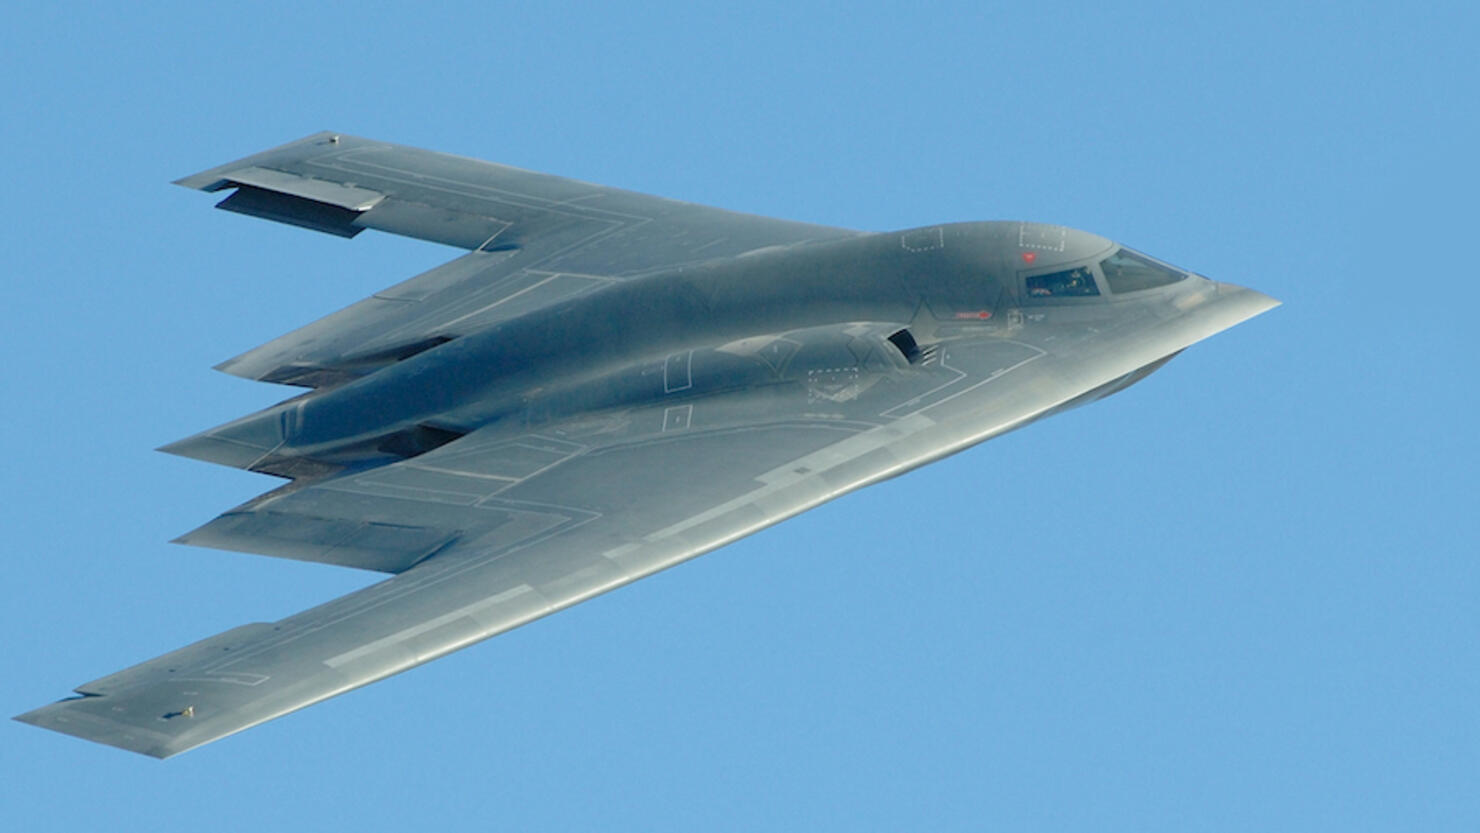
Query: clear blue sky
[(1244, 595)]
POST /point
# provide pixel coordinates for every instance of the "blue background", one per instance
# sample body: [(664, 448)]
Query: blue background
[(1241, 596)]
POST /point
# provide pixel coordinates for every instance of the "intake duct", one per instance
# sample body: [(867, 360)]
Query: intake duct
[(913, 353), (417, 441)]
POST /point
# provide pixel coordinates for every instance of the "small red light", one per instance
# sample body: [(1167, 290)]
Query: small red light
[(1029, 257)]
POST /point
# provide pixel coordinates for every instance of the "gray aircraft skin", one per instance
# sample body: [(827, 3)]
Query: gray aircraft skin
[(605, 385)]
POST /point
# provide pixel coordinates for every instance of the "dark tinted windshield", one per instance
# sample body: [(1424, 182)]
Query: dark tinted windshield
[(1069, 283), (1126, 271)]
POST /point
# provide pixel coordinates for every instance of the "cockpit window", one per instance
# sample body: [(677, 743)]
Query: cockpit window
[(1127, 271), (1070, 283)]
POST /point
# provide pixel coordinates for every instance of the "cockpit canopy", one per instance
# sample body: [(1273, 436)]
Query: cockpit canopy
[(1122, 272), (1127, 271)]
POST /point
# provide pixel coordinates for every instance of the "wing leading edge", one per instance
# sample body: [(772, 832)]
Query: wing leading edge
[(714, 471)]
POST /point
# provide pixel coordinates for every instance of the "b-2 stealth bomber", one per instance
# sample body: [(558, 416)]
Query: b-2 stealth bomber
[(606, 384)]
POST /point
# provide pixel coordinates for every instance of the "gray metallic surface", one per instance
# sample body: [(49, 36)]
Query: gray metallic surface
[(607, 385)]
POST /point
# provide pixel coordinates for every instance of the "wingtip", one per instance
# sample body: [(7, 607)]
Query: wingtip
[(212, 179), (53, 717)]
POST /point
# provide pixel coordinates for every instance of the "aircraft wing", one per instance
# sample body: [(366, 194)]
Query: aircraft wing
[(533, 239), (503, 526)]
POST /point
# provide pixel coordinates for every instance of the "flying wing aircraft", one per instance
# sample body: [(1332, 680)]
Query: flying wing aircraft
[(606, 384)]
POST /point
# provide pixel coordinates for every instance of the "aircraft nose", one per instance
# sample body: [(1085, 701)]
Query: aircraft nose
[(1231, 296)]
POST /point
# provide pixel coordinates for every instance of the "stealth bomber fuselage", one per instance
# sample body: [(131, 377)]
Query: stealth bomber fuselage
[(606, 384)]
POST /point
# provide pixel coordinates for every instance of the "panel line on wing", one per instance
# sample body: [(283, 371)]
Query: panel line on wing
[(500, 301), (615, 221), (391, 590), (813, 464), (943, 360), (429, 625), (344, 163)]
